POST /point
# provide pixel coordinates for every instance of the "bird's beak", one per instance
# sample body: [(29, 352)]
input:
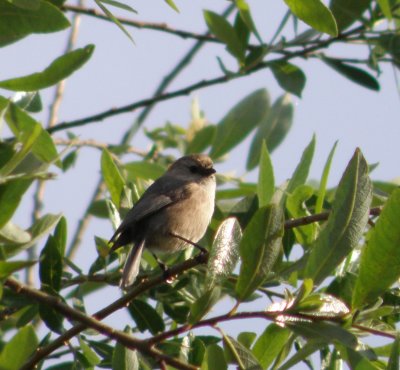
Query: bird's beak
[(209, 171)]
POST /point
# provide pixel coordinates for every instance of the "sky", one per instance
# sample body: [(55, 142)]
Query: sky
[(119, 73)]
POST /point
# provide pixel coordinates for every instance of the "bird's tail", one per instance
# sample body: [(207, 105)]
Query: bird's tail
[(132, 265)]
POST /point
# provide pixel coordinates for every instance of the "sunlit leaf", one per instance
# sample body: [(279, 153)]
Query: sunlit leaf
[(266, 181), (112, 177), (58, 70), (214, 358), (381, 255), (346, 223)]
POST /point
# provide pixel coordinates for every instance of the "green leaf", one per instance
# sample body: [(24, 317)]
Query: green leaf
[(51, 265), (7, 268), (214, 358), (300, 174), (58, 70), (23, 126), (52, 318), (245, 14), (240, 354), (112, 177), (266, 181), (385, 7), (224, 252), (146, 317), (202, 140), (120, 5), (357, 75), (381, 256), (18, 349), (259, 249), (172, 4), (246, 338), (270, 343), (290, 77), (89, 354), (10, 196), (16, 23), (347, 12), (239, 122), (347, 221), (301, 354), (144, 170), (60, 235), (324, 180), (356, 360), (114, 20), (124, 358), (203, 305), (222, 29), (273, 129), (394, 360), (295, 204), (11, 233), (28, 101), (315, 14), (39, 229)]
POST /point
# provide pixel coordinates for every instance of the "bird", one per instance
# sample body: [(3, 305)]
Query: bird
[(172, 213)]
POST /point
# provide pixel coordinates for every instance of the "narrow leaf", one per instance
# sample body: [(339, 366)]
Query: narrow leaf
[(146, 317), (239, 122), (381, 256), (272, 129), (223, 30), (347, 12), (394, 360), (204, 304), (357, 75), (18, 349), (7, 268), (266, 181), (112, 177), (315, 14), (259, 249), (270, 344), (58, 70), (324, 180), (224, 252), (50, 267), (346, 223), (120, 5), (290, 77)]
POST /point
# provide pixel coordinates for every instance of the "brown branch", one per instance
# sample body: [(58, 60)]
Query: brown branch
[(163, 27), (41, 353), (91, 322)]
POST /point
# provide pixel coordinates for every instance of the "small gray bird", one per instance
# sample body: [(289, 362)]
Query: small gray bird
[(176, 207)]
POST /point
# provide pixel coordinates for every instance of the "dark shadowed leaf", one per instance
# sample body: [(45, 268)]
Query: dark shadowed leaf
[(52, 318), (273, 129), (124, 358), (204, 304), (58, 70), (145, 316), (16, 23), (225, 32), (112, 177), (381, 256), (269, 344), (18, 349), (357, 75), (224, 252), (259, 249), (266, 182), (315, 14), (239, 354), (50, 267), (347, 12), (239, 122), (346, 223), (290, 77), (394, 360), (214, 358)]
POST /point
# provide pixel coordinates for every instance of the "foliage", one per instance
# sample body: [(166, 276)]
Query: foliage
[(342, 285)]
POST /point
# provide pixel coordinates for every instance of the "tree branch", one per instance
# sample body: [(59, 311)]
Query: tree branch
[(41, 353)]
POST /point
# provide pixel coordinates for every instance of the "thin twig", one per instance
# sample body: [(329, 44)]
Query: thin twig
[(42, 352), (91, 322)]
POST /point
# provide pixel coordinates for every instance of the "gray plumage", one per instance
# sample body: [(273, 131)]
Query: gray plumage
[(180, 202)]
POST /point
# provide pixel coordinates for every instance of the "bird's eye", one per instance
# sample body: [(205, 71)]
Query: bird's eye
[(193, 169)]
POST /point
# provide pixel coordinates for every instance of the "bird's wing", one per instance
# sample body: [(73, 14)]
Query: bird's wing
[(162, 193)]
